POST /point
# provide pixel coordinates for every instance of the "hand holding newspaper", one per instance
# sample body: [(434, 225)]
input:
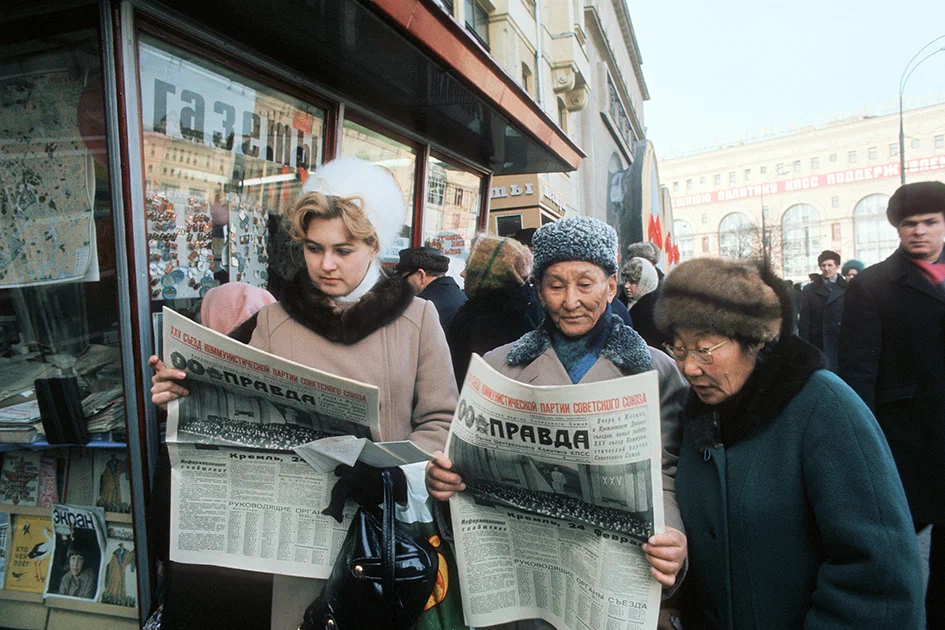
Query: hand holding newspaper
[(243, 494), (562, 486)]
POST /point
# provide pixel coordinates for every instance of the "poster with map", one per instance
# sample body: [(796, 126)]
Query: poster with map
[(47, 180)]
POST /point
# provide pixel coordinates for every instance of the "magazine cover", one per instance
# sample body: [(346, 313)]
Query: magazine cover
[(121, 587), (19, 478), (111, 485), (4, 545), (31, 545), (76, 570)]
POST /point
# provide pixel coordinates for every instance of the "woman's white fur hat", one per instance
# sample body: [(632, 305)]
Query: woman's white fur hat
[(381, 196)]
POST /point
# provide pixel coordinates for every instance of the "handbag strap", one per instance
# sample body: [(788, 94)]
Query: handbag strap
[(387, 538)]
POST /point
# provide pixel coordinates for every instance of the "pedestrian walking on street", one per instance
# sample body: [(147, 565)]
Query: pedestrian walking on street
[(821, 308), (425, 269), (892, 353), (501, 306)]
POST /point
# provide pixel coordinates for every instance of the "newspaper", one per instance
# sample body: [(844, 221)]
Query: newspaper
[(240, 496), (563, 485)]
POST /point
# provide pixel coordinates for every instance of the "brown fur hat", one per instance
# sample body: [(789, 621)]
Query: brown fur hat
[(724, 297)]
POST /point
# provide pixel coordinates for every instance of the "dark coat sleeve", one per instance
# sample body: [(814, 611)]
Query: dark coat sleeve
[(619, 309), (871, 575), (803, 321), (860, 342)]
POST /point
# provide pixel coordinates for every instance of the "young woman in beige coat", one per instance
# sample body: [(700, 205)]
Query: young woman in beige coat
[(343, 314)]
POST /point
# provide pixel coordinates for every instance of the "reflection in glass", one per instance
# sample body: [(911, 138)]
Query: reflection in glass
[(223, 155), (58, 285), (874, 238), (451, 215), (400, 159), (800, 240)]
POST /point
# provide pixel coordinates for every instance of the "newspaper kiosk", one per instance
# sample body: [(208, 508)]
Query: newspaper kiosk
[(146, 151)]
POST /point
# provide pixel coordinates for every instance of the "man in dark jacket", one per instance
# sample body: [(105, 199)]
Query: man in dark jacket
[(821, 308), (892, 352), (425, 269)]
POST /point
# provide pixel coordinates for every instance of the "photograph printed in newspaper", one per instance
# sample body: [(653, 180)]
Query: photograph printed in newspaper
[(76, 569), (240, 496), (563, 485)]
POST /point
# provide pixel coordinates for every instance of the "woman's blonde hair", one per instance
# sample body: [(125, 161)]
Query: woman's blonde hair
[(315, 205)]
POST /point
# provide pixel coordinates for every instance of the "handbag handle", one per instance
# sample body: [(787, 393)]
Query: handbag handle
[(388, 550)]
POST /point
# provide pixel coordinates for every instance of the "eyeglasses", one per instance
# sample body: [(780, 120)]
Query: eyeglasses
[(701, 355)]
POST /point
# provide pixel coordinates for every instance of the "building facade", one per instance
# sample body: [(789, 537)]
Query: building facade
[(581, 62), (797, 195)]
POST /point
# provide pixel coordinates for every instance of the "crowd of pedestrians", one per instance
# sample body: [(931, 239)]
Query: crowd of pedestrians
[(802, 435)]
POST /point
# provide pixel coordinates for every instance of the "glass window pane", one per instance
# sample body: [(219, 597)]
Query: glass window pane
[(451, 225), (399, 158), (59, 307), (223, 156), (58, 290)]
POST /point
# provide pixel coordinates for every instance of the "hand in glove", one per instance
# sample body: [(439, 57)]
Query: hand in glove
[(363, 484)]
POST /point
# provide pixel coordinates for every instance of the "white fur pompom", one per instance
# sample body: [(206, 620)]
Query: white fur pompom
[(375, 185)]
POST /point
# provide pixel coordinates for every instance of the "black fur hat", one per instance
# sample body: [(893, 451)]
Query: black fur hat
[(917, 198), (426, 258), (828, 255)]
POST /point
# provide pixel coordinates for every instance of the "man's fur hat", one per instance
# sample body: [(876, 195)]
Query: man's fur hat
[(917, 198), (375, 186), (724, 297)]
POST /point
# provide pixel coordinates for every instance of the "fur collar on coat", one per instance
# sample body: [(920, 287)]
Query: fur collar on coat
[(782, 371), (384, 303), (624, 348)]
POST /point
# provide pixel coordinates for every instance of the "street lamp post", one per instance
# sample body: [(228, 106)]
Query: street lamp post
[(906, 73)]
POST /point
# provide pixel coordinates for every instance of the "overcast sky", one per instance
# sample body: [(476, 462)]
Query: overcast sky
[(719, 71)]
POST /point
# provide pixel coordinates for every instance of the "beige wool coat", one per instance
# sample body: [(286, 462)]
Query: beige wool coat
[(389, 339), (408, 360)]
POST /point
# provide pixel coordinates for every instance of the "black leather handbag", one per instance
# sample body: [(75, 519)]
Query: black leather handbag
[(382, 578)]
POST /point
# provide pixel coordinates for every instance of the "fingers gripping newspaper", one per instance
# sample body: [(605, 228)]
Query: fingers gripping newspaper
[(241, 495), (563, 485)]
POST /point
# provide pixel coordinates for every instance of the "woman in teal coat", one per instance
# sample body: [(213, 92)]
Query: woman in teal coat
[(794, 510)]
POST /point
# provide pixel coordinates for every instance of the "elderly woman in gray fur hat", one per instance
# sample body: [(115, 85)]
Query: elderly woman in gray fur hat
[(581, 341), (794, 511)]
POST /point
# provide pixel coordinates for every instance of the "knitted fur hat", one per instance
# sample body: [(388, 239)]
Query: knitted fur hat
[(853, 263), (917, 198), (496, 263), (575, 239), (724, 297), (375, 186)]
